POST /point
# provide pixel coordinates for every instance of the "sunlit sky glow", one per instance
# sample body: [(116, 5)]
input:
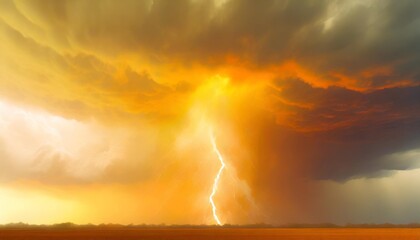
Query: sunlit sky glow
[(106, 107)]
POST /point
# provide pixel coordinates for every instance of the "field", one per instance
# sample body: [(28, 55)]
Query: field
[(212, 233)]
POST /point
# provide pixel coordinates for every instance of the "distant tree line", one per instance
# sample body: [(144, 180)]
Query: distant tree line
[(68, 225)]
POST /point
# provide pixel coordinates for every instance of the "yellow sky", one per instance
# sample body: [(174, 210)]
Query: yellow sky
[(106, 109)]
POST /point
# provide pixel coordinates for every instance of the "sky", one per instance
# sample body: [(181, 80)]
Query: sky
[(123, 111)]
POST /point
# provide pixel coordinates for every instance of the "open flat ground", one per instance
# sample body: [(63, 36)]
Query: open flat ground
[(213, 233)]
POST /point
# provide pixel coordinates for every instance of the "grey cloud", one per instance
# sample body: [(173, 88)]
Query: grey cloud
[(370, 35), (348, 133), (360, 35)]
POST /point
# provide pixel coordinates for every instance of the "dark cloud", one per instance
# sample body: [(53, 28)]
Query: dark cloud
[(257, 32), (326, 36), (352, 129), (366, 36), (348, 133)]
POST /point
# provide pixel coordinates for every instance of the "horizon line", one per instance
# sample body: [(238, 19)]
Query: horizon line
[(163, 225)]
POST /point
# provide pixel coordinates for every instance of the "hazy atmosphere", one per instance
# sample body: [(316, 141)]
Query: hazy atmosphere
[(199, 111)]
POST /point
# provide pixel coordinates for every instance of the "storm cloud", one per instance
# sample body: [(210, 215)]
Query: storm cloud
[(307, 99)]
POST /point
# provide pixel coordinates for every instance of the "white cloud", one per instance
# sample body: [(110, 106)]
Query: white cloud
[(37, 142)]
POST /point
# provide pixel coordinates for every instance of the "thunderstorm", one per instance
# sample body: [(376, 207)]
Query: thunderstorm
[(217, 178)]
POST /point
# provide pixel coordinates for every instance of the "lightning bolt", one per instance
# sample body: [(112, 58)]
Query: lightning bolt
[(217, 178)]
